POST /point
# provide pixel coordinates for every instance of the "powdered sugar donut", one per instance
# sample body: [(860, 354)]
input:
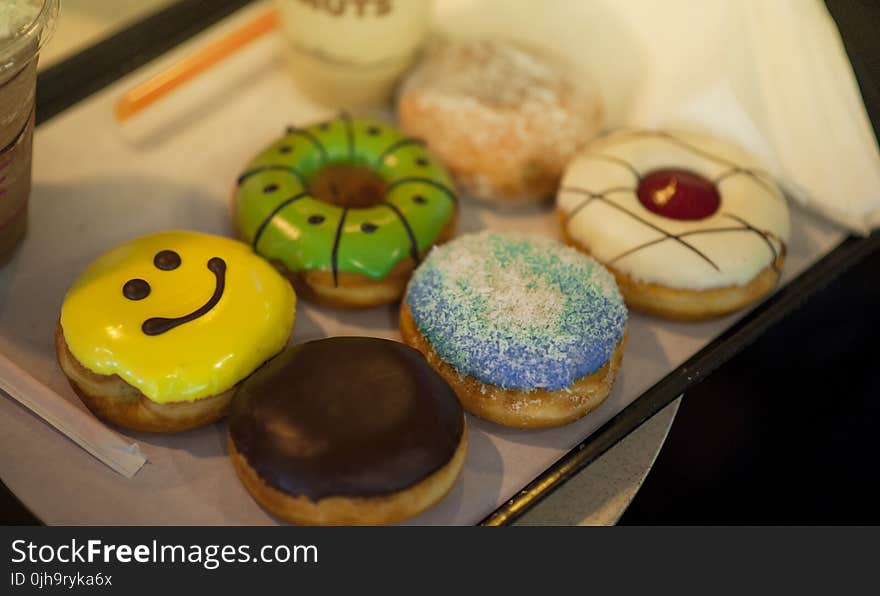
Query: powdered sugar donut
[(503, 118), (528, 332), (690, 224)]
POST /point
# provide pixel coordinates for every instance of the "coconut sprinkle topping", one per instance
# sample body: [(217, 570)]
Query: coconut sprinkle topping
[(517, 311)]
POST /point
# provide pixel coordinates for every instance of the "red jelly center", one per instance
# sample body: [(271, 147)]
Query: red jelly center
[(678, 194)]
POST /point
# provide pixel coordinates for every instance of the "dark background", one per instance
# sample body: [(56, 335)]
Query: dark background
[(782, 433)]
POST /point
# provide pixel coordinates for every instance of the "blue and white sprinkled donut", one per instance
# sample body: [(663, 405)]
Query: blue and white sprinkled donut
[(517, 312)]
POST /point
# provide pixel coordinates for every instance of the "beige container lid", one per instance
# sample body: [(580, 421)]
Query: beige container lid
[(351, 55)]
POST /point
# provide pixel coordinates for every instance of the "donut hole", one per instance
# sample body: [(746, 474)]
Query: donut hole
[(348, 185)]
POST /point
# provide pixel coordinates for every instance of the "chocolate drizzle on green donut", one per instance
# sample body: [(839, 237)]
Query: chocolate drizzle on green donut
[(419, 179), (346, 416), (336, 239), (380, 161), (283, 204), (349, 133), (292, 130), (414, 247), (280, 224), (300, 178)]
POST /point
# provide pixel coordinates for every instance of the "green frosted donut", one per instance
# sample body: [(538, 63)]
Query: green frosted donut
[(394, 202)]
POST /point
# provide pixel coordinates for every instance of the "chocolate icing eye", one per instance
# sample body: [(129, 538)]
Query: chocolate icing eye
[(166, 260), (419, 199), (373, 131), (136, 289), (316, 219), (369, 228), (422, 162)]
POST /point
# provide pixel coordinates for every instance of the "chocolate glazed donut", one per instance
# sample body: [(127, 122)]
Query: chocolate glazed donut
[(333, 430)]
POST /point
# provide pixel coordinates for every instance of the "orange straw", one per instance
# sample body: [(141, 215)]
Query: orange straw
[(160, 85)]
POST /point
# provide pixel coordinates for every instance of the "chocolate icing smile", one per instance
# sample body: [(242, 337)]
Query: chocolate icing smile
[(346, 416), (159, 325)]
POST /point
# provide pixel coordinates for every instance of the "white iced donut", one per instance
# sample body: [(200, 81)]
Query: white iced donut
[(690, 225)]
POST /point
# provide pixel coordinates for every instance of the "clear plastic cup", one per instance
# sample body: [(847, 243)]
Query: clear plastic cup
[(350, 53), (20, 45)]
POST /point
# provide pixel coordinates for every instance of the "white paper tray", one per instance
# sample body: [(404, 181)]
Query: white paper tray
[(97, 184)]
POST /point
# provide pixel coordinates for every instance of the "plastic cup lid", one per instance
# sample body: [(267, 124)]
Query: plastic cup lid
[(17, 51)]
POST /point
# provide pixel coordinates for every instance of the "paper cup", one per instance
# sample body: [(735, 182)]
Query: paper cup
[(350, 53), (20, 44)]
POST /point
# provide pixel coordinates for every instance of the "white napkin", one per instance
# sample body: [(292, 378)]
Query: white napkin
[(770, 75)]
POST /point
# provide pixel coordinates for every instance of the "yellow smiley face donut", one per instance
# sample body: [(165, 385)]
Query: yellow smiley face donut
[(691, 225), (156, 333)]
